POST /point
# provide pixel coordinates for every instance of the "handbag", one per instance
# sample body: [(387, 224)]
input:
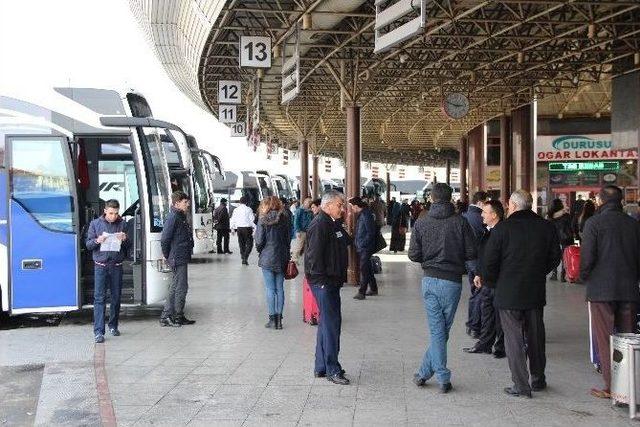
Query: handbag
[(292, 270), (381, 243)]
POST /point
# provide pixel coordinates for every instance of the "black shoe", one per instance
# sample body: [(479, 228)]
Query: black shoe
[(168, 321), (339, 379), (245, 262), (359, 296), (498, 354), (476, 349), (99, 339), (512, 391), (183, 320), (554, 276), (473, 334), (371, 293), (538, 386), (445, 388), (272, 322), (114, 332), (419, 381), (228, 252), (319, 374), (278, 321)]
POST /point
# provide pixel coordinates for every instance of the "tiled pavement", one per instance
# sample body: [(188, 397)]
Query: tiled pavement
[(228, 370)]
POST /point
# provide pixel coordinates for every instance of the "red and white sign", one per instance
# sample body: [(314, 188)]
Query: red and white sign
[(582, 147)]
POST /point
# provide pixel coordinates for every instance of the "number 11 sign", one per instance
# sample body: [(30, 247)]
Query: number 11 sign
[(255, 51)]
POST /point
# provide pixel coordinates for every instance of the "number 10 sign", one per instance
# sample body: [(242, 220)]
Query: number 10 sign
[(255, 51)]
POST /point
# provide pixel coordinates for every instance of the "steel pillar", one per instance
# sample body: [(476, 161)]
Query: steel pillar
[(354, 151), (303, 149), (505, 159), (447, 168), (522, 144), (388, 188), (464, 160), (475, 144), (315, 179)]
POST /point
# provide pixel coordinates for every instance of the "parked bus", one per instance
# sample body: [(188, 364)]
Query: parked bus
[(201, 200), (63, 153)]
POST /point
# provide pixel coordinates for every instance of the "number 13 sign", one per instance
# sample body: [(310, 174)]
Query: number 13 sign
[(255, 51)]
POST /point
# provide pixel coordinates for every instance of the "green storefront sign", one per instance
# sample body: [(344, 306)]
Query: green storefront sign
[(584, 166)]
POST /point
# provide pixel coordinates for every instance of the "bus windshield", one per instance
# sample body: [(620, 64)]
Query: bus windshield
[(201, 200), (157, 176)]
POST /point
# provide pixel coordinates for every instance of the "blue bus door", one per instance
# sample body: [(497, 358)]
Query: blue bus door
[(43, 241)]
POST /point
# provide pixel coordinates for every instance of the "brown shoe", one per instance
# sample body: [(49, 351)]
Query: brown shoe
[(601, 394)]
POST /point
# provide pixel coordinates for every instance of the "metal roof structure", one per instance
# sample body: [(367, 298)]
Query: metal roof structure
[(500, 54)]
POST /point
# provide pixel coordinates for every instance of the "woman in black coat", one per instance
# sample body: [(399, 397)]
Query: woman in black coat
[(273, 243), (561, 219)]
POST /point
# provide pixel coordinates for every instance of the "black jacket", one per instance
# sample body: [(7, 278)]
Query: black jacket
[(273, 241), (442, 241), (482, 243), (610, 256), (221, 219), (177, 238), (96, 228), (366, 232), (563, 228), (474, 216), (519, 254), (325, 254)]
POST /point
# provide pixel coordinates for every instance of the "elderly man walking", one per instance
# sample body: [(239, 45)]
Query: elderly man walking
[(521, 252), (442, 241), (610, 269), (325, 266)]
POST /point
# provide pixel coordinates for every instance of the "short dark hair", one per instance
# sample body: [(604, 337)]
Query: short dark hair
[(611, 193), (496, 207), (178, 196), (357, 201), (317, 202), (244, 200), (479, 196), (112, 203), (441, 192)]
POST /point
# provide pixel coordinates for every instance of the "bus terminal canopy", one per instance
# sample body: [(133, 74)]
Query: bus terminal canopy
[(401, 61)]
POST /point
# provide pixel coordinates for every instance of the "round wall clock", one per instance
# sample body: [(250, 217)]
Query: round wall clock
[(455, 105)]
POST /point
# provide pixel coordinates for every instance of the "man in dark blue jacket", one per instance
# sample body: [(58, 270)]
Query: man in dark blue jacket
[(365, 242), (177, 246), (108, 242)]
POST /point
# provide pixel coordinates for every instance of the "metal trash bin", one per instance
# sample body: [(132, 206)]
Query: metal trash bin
[(625, 375)]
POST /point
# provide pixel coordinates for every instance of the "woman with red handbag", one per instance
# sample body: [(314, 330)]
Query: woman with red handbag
[(273, 243)]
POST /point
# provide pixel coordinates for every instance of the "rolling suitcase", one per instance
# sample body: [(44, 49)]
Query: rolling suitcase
[(310, 310), (571, 260)]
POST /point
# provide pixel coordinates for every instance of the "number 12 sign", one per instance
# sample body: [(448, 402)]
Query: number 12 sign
[(255, 51), (229, 92), (227, 113)]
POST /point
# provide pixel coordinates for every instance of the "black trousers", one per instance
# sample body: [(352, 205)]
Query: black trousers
[(329, 326), (367, 278), (524, 338), (491, 329), (222, 235), (245, 241)]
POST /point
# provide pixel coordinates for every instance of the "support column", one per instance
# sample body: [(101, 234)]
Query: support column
[(475, 144), (447, 169), (522, 144), (464, 159), (625, 114), (315, 179), (388, 188), (505, 159), (353, 184), (303, 149)]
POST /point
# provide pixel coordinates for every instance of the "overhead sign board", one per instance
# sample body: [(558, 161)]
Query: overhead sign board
[(582, 147), (394, 24), (227, 113), (583, 166), (255, 51), (229, 92), (239, 129), (291, 66)]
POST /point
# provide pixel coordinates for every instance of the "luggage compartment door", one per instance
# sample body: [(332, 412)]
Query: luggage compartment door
[(43, 241)]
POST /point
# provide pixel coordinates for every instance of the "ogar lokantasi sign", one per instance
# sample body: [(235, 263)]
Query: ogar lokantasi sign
[(582, 147)]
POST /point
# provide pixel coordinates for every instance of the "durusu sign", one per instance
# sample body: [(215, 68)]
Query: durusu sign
[(583, 147)]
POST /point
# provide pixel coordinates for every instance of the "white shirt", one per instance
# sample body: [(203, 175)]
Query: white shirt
[(242, 216)]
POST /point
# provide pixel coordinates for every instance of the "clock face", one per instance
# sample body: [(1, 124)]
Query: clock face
[(455, 105)]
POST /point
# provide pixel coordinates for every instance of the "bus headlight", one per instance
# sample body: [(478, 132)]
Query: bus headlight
[(201, 233)]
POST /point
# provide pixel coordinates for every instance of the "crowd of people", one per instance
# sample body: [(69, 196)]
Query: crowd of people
[(507, 253)]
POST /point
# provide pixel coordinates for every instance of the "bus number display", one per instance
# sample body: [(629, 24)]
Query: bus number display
[(238, 129), (229, 92), (227, 113), (255, 51)]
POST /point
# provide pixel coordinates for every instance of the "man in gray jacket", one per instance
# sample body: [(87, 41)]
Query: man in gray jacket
[(610, 269), (442, 241)]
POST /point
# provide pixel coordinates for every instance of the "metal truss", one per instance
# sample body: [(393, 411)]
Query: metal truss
[(502, 54)]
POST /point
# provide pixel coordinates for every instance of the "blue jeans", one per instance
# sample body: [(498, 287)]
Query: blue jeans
[(110, 275), (328, 335), (274, 286), (441, 299)]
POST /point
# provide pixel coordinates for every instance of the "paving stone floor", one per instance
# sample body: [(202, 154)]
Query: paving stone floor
[(228, 370)]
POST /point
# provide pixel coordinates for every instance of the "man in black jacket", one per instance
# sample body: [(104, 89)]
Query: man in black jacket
[(610, 269), (325, 266), (177, 246), (364, 240), (442, 241), (221, 221), (521, 252)]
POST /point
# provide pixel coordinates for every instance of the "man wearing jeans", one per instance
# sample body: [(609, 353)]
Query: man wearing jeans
[(325, 265), (102, 233), (442, 242)]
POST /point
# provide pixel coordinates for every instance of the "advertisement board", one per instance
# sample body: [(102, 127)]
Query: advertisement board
[(551, 148)]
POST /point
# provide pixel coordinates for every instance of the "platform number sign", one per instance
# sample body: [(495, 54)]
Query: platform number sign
[(227, 113), (229, 92), (239, 129), (255, 51)]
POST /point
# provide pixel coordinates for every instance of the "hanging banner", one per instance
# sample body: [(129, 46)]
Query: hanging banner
[(582, 147)]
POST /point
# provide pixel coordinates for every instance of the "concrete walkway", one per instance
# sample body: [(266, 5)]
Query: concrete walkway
[(228, 370)]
